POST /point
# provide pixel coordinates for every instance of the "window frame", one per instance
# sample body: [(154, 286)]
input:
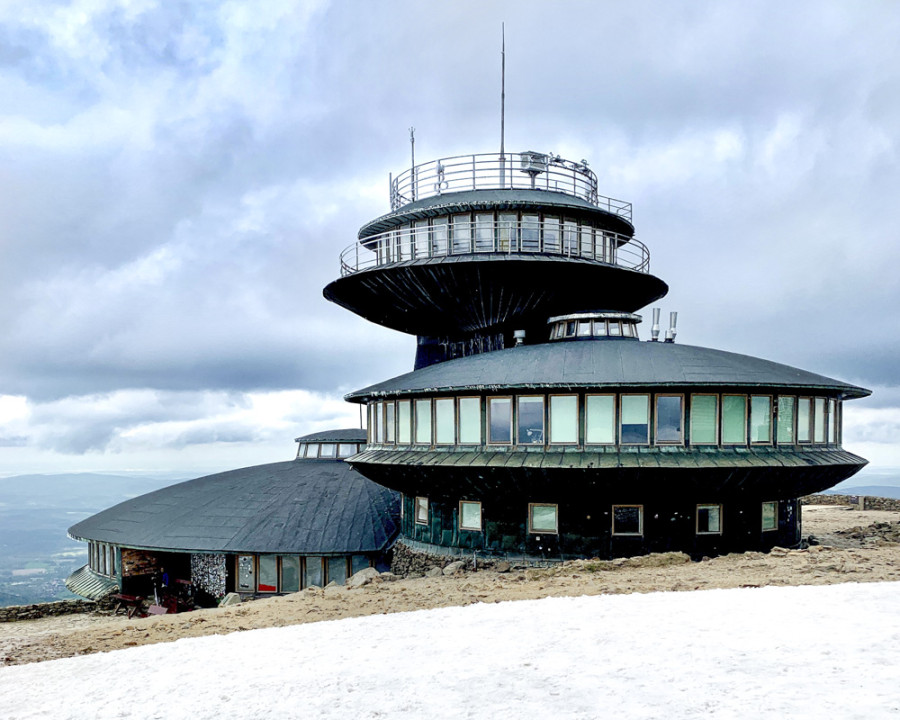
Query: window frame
[(731, 443), (490, 440), (621, 417), (550, 440), (518, 421), (615, 416), (480, 527), (639, 533), (810, 411), (656, 440), (415, 421), (718, 506), (532, 530), (716, 420), (459, 401), (434, 422), (779, 421), (421, 503), (769, 440), (763, 527), (390, 422)]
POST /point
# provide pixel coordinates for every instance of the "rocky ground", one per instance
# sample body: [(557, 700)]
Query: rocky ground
[(852, 546)]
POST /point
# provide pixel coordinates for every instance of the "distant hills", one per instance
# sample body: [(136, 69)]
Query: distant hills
[(74, 491)]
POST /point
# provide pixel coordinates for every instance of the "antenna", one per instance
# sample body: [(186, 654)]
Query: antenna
[(503, 105), (412, 166)]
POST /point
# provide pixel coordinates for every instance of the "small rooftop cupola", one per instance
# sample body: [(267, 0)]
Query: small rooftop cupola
[(596, 325), (330, 444)]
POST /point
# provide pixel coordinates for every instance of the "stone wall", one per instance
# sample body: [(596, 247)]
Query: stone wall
[(208, 573), (861, 502), (39, 610), (407, 561)]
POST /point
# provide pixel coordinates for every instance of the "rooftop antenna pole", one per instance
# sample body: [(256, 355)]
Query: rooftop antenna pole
[(412, 150), (503, 106)]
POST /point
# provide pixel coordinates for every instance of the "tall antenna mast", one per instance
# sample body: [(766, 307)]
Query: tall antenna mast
[(503, 105), (412, 167)]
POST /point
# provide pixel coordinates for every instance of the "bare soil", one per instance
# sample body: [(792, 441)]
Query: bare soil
[(854, 547)]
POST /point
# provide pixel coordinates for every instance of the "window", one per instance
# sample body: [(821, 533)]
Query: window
[(327, 450), (347, 449), (484, 232), (337, 570), (439, 235), (444, 421), (507, 225), (669, 419), (704, 419), (819, 426), (358, 562), (290, 573), (635, 428), (584, 328), (770, 516), (403, 422), (599, 328), (530, 430), (734, 419), (469, 515), (615, 328), (627, 520), (379, 422), (542, 518), (371, 428), (785, 420), (760, 419), (389, 424), (313, 575), (423, 422), (246, 578), (531, 233), (500, 420), (709, 519), (469, 419), (564, 419), (268, 573), (600, 419), (804, 418), (421, 510), (551, 234), (462, 234), (832, 421)]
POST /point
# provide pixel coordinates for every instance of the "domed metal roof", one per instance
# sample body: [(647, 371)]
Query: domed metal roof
[(349, 435), (305, 507), (607, 364)]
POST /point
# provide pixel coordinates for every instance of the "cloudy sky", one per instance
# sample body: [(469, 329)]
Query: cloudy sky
[(177, 180)]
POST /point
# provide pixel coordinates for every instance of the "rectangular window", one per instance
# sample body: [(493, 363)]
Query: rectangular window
[(484, 232), (804, 419), (635, 427), (760, 419), (600, 328), (551, 234), (347, 449), (290, 573), (704, 419), (600, 419), (709, 519), (379, 422), (587, 240), (246, 578), (404, 425), (507, 226), (337, 570), (327, 450), (500, 420), (564, 419), (421, 241), (819, 427), (615, 328), (531, 420), (462, 234), (313, 575), (734, 419), (358, 562), (628, 520), (469, 421), (832, 421), (531, 233), (371, 428), (423, 422), (268, 573), (570, 238), (469, 515), (785, 420), (389, 423), (542, 518), (769, 516), (439, 235), (421, 510), (444, 421), (669, 419)]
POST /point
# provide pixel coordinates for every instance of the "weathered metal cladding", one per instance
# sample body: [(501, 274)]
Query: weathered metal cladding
[(586, 529), (88, 584), (619, 477), (462, 294)]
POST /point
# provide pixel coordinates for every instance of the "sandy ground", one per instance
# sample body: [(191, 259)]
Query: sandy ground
[(838, 559)]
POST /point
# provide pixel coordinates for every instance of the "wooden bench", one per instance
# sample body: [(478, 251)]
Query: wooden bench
[(130, 603)]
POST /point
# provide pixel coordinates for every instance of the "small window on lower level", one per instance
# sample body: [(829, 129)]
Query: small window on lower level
[(628, 520), (469, 515), (770, 516), (543, 518), (268, 573), (246, 577), (422, 510), (709, 519)]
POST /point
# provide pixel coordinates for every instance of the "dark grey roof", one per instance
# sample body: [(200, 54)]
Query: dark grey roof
[(90, 585), (604, 363), (349, 435), (299, 507), (498, 199)]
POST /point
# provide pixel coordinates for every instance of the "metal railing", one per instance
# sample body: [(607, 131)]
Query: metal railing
[(492, 171), (505, 237)]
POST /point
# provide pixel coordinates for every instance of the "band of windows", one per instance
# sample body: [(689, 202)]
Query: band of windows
[(292, 573), (722, 419), (102, 558), (627, 520), (331, 450)]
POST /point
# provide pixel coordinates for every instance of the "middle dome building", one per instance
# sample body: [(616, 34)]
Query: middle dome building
[(536, 422)]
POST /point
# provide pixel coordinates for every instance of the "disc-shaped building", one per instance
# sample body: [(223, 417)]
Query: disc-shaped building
[(264, 529), (536, 422)]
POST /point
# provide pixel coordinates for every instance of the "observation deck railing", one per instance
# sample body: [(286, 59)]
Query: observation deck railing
[(493, 171), (499, 237)]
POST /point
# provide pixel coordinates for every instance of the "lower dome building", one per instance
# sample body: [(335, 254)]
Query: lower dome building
[(273, 528)]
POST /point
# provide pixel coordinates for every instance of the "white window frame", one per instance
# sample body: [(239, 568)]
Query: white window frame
[(697, 519), (534, 531), (421, 504), (480, 516)]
